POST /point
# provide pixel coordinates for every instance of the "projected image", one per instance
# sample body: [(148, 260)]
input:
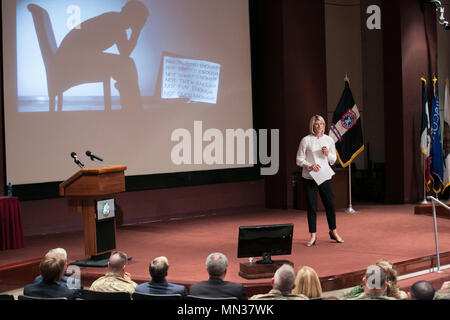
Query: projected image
[(196, 80), (119, 77), (95, 64)]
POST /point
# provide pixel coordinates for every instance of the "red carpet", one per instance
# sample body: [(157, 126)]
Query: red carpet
[(392, 232)]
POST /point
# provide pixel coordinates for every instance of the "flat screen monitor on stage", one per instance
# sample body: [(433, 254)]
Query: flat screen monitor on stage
[(265, 241), (105, 209)]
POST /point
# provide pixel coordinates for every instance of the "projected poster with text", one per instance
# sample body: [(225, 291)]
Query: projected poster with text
[(117, 77)]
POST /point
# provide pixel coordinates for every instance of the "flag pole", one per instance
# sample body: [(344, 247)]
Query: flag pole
[(424, 201), (350, 208)]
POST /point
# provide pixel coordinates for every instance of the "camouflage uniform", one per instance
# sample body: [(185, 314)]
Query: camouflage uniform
[(442, 294), (278, 295), (372, 296), (113, 282)]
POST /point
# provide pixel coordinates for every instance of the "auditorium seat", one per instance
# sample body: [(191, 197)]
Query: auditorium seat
[(100, 295), (23, 297), (147, 296), (191, 297), (5, 296)]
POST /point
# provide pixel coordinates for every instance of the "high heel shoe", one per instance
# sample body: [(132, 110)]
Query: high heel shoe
[(310, 244), (334, 238)]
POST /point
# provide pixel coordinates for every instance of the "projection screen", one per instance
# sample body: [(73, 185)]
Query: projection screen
[(129, 81)]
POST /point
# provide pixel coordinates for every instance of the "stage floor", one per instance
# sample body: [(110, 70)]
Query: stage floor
[(393, 232)]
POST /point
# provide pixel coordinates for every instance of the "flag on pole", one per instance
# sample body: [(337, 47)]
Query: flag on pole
[(446, 140), (345, 129), (437, 163), (425, 137)]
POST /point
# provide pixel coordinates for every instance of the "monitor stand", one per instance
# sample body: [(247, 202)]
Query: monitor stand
[(261, 270), (266, 259)]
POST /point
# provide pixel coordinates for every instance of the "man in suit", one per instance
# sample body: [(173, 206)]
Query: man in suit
[(216, 287), (73, 283), (158, 285), (52, 268)]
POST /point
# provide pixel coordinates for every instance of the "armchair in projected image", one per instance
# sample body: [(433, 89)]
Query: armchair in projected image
[(59, 76)]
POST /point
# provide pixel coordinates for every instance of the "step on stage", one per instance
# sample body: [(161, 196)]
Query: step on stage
[(393, 232)]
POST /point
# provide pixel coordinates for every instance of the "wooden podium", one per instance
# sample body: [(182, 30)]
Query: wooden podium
[(83, 190)]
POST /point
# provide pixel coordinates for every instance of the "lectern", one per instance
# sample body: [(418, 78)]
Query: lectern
[(86, 191)]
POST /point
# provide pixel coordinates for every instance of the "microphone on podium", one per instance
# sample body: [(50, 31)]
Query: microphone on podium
[(93, 156), (77, 161)]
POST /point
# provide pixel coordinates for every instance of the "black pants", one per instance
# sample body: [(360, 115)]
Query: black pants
[(326, 194)]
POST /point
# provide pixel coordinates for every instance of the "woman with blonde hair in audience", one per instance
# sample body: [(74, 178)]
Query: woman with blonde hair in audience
[(392, 290), (307, 283)]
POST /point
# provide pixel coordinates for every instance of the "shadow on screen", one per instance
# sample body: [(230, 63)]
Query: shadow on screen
[(81, 57)]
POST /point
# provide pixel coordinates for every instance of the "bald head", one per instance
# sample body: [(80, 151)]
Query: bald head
[(422, 290), (117, 261)]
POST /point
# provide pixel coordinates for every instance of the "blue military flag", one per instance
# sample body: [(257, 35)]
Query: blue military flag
[(437, 162)]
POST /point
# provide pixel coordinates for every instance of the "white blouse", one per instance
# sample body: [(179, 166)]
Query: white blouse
[(310, 152)]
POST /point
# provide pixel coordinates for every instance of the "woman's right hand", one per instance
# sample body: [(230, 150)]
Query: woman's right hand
[(315, 167)]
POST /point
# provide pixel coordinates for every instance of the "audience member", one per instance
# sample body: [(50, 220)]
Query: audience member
[(421, 290), (158, 285), (374, 285), (52, 268), (307, 283), (283, 282), (64, 278), (443, 292), (392, 290), (116, 279), (216, 287)]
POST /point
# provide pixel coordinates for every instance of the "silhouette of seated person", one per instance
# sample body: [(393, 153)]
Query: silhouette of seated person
[(82, 51), (158, 271), (52, 268)]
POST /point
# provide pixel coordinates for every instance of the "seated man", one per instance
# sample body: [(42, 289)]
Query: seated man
[(283, 282), (421, 290), (374, 285), (116, 279), (73, 283), (216, 287), (158, 272), (52, 268)]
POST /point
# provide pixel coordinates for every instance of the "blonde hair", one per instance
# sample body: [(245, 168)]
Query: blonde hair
[(52, 267), (313, 119), (392, 289), (158, 268), (307, 283)]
